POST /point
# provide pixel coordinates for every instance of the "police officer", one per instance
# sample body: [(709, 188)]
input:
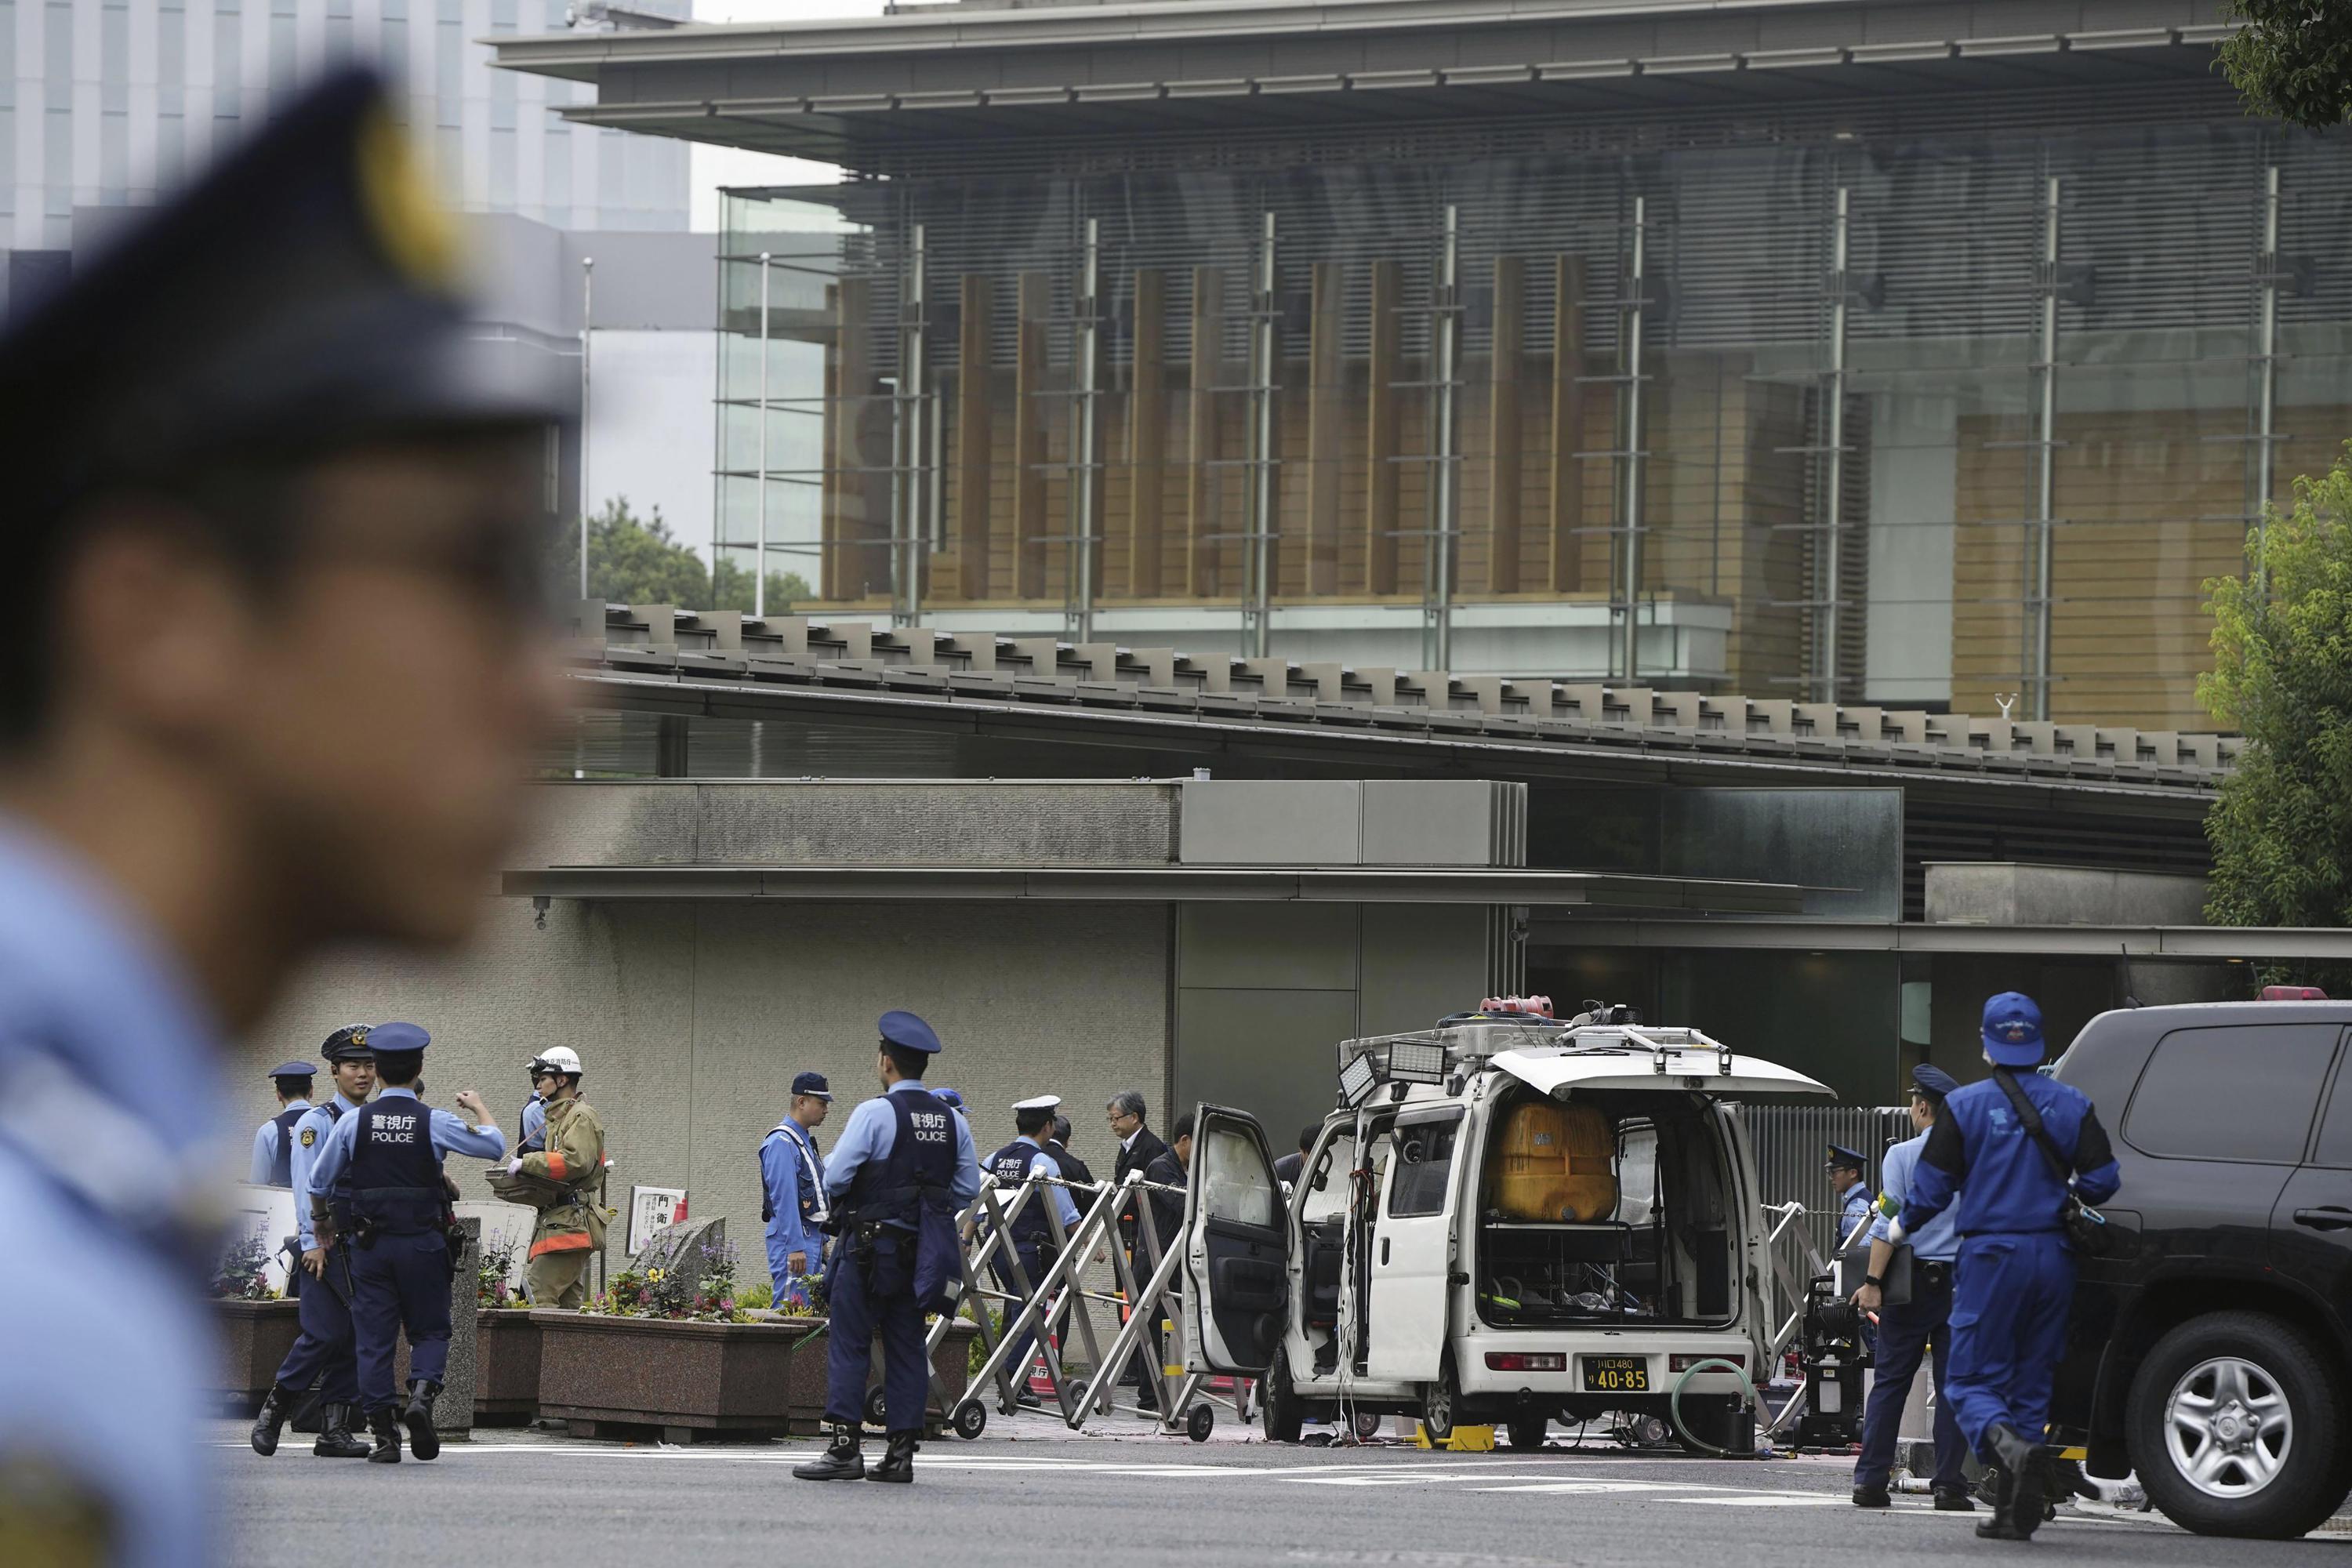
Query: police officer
[(324, 1350), (273, 1141), (1033, 1234), (252, 432), (792, 1181), (530, 1129), (1906, 1328), (903, 1166), (2016, 1149), (377, 1181), (952, 1100), (1845, 1167)]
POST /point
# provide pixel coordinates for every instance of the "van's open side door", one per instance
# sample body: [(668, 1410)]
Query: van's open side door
[(1236, 1247), (1755, 1260)]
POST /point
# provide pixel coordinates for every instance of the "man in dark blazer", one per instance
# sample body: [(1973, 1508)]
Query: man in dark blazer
[(1138, 1147)]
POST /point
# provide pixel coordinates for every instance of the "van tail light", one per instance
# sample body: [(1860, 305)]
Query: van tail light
[(1685, 1362), (1526, 1361), (2292, 994)]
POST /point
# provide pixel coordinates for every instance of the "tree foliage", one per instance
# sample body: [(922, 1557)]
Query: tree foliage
[(637, 561), (2282, 676), (2293, 59)]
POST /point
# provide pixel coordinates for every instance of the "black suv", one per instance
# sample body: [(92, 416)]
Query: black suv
[(2211, 1351)]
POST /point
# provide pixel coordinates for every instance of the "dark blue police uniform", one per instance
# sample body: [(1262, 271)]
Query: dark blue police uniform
[(903, 1165), (1033, 1234), (2016, 1273)]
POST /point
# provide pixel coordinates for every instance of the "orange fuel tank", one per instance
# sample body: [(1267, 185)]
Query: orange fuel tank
[(1555, 1162)]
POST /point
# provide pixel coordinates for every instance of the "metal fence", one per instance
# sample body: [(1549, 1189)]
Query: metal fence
[(1792, 1141)]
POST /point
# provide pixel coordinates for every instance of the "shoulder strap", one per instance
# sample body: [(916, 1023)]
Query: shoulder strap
[(2032, 1117)]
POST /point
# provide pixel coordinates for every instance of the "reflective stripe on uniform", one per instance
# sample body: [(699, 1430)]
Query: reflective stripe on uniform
[(573, 1241), (555, 1167)]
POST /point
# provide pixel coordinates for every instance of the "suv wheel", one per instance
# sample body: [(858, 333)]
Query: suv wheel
[(2233, 1429), (1285, 1413)]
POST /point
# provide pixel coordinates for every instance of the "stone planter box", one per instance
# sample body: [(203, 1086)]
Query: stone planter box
[(611, 1377), (255, 1338), (505, 1375)]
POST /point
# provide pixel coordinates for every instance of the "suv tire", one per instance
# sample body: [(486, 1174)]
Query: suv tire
[(1285, 1413), (2186, 1426)]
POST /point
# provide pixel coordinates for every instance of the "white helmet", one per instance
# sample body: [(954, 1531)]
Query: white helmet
[(556, 1059)]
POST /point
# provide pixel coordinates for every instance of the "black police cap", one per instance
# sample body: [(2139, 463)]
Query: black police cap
[(302, 296)]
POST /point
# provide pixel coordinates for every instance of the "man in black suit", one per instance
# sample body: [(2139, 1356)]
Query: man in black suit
[(1290, 1167), (1139, 1148)]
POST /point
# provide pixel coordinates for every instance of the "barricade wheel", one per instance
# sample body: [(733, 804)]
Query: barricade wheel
[(1199, 1423), (971, 1420), (877, 1413)]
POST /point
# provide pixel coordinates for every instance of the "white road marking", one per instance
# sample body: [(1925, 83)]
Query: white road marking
[(1768, 1500)]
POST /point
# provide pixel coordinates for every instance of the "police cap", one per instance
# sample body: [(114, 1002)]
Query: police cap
[(908, 1032), (1038, 1102), (1842, 1155), (812, 1084), (349, 1043), (397, 1037), (292, 1070), (1932, 1081), (302, 297)]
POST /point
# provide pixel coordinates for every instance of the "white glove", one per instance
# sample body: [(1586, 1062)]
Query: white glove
[(514, 1167), (1894, 1231)]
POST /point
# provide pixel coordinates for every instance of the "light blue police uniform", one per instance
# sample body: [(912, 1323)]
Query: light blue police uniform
[(452, 1134), (265, 1144), (872, 1131), (321, 1126), (111, 1143), (790, 1165), (534, 1123), (1043, 1164)]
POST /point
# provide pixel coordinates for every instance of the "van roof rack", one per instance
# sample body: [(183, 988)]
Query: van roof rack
[(1475, 1040)]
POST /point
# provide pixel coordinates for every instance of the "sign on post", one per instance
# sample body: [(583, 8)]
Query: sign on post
[(651, 1208)]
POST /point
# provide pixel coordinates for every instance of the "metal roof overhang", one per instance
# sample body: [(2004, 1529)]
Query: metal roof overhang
[(1151, 884), (2187, 942), (848, 91)]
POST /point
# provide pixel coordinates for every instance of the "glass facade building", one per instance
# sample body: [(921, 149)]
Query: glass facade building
[(1949, 400)]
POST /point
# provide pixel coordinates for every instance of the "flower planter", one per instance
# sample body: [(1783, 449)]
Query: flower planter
[(610, 1375), (505, 1376), (255, 1338)]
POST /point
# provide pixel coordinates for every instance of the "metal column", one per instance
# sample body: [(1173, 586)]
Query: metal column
[(587, 321), (2266, 362), (910, 475), (1832, 587), (1265, 351), (760, 555), (1444, 499), (2038, 675), (1079, 618), (1629, 518)]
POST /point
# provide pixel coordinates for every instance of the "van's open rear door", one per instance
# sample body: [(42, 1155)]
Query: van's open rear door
[(1236, 1247)]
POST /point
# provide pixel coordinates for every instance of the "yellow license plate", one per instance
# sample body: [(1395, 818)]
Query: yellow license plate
[(1616, 1375)]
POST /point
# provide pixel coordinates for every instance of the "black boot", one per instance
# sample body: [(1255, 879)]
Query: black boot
[(385, 1426), (1956, 1500), (2018, 1476), (899, 1464), (419, 1418), (844, 1460), (335, 1440), (277, 1405)]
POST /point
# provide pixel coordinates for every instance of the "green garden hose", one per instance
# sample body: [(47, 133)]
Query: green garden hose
[(1675, 1401)]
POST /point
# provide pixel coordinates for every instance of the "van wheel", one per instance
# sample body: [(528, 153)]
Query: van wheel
[(1440, 1403), (1527, 1436), (1285, 1413), (2233, 1428)]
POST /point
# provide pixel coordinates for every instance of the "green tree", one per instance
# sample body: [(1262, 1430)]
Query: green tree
[(2293, 59), (637, 561), (2282, 676)]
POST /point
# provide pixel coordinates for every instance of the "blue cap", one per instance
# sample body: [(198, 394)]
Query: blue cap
[(293, 1070), (1842, 1155), (397, 1037), (2012, 1030), (1934, 1080), (953, 1099), (909, 1033), (812, 1084)]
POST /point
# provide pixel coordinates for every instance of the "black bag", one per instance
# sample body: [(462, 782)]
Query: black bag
[(1894, 1286), (2086, 1227)]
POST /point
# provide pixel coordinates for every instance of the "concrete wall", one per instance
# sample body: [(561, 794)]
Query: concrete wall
[(2003, 893), (692, 1018)]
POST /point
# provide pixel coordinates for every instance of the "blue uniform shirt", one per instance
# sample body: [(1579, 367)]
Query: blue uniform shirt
[(534, 1123), (872, 1131), (451, 1135), (1853, 1209), (1040, 1163), (112, 1131), (788, 1160), (265, 1144), (311, 1135), (2005, 1185), (1939, 1242)]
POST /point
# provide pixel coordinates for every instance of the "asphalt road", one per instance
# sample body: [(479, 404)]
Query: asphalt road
[(1026, 1492)]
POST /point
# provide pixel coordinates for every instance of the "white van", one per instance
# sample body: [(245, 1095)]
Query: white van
[(1508, 1221)]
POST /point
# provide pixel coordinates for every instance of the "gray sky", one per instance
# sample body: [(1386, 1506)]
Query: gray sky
[(717, 166)]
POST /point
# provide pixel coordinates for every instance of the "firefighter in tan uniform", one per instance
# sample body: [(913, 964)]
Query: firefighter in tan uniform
[(561, 1174)]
